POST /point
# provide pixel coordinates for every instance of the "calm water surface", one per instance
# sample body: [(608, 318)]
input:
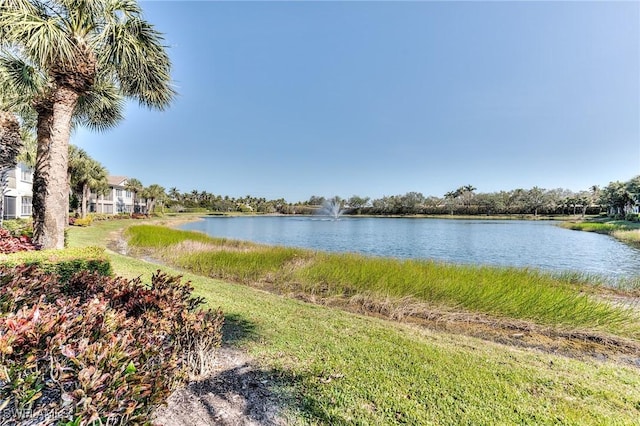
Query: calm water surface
[(540, 244)]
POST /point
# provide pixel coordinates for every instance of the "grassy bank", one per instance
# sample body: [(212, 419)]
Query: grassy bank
[(333, 367), (622, 230), (507, 292)]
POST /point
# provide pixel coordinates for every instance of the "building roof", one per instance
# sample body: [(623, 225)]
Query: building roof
[(117, 180)]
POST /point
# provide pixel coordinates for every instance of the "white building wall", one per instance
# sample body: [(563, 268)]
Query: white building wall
[(19, 196), (116, 200)]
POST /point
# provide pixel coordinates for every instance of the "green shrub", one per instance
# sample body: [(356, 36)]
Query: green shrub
[(83, 222), (193, 210), (19, 227), (632, 217), (65, 263), (98, 350), (99, 216)]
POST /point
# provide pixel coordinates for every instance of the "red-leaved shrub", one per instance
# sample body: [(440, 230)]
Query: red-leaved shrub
[(11, 244), (97, 350)]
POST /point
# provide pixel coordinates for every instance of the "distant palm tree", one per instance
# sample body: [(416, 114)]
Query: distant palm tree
[(88, 53), (86, 174), (466, 193), (134, 186), (174, 194), (450, 199), (153, 194)]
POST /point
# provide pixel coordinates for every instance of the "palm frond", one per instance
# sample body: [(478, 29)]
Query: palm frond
[(7, 6), (83, 16), (19, 76), (58, 34), (25, 6), (44, 38), (133, 48), (100, 108), (117, 10), (29, 146)]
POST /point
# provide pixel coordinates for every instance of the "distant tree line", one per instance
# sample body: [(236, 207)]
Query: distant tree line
[(203, 200), (465, 201), (616, 199)]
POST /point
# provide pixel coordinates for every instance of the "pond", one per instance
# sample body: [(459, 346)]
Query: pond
[(534, 244)]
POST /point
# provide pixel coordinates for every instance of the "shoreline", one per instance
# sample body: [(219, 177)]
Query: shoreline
[(531, 217)]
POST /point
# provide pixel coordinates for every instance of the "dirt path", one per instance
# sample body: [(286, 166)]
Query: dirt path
[(237, 393)]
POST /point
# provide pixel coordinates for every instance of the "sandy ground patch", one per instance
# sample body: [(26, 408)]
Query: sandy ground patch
[(237, 393)]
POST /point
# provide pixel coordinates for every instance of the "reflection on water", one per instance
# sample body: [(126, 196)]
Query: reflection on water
[(539, 244)]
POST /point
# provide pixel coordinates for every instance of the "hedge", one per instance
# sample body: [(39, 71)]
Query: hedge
[(65, 263)]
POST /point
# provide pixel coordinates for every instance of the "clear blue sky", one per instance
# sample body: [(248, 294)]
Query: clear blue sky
[(293, 99)]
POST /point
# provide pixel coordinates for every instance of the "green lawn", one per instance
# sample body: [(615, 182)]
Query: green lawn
[(333, 367)]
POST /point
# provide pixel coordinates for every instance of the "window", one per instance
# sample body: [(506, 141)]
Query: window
[(26, 206), (26, 174), (127, 194), (118, 192), (9, 207)]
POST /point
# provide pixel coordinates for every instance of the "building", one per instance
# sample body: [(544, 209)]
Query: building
[(117, 199), (18, 197)]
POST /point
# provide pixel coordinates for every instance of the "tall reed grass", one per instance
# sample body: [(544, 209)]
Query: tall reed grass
[(599, 227), (625, 231), (631, 237), (264, 264), (509, 292), (150, 236)]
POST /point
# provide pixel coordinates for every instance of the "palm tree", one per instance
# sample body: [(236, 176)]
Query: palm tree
[(85, 174), (466, 194), (88, 52), (450, 198), (10, 146), (76, 157), (174, 194), (153, 193), (135, 187), (594, 196)]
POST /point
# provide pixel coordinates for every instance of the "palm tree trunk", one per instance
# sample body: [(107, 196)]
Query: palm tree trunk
[(85, 197), (50, 189), (4, 183), (66, 220), (10, 145)]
